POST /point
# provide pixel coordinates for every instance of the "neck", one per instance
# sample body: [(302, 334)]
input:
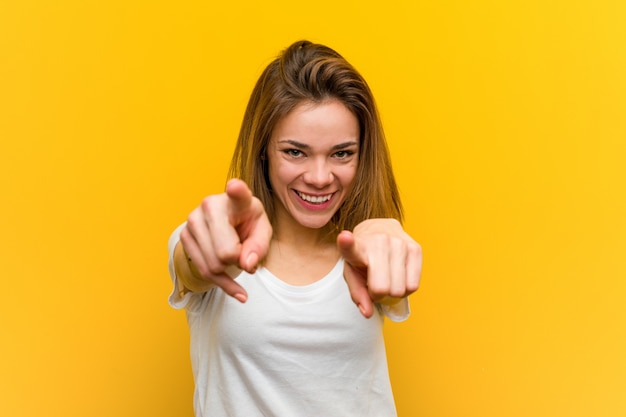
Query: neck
[(298, 236), (301, 256), (292, 239)]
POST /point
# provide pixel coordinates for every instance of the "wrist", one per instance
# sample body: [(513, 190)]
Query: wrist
[(187, 273)]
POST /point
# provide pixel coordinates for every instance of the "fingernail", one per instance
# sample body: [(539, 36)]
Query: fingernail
[(361, 309), (251, 261), (241, 297)]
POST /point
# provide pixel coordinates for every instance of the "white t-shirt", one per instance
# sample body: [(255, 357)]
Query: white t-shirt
[(288, 351)]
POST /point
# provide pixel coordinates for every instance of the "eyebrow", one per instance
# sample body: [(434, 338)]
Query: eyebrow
[(300, 145)]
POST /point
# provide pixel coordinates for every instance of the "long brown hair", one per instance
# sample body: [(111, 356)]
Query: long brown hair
[(308, 72)]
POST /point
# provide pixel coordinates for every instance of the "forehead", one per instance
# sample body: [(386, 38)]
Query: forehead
[(329, 122)]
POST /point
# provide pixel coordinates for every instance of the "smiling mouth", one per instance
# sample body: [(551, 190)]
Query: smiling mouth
[(314, 199)]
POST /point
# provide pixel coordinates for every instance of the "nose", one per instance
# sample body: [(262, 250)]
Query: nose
[(318, 174)]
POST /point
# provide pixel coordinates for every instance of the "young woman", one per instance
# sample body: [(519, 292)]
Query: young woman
[(287, 275)]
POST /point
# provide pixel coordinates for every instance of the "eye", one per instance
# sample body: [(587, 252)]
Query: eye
[(343, 154), (294, 153)]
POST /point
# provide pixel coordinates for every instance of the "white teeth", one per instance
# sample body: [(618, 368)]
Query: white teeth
[(314, 199)]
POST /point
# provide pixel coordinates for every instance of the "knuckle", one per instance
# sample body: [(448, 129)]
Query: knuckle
[(412, 287), (378, 289), (207, 201), (208, 204), (226, 254), (380, 242), (185, 236), (398, 292), (193, 220), (212, 268), (415, 248), (398, 245)]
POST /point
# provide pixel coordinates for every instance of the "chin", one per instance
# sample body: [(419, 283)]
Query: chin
[(313, 222)]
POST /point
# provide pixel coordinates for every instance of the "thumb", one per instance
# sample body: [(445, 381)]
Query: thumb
[(256, 243), (355, 273), (252, 251)]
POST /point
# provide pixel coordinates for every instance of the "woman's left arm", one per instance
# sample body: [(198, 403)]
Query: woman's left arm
[(383, 264)]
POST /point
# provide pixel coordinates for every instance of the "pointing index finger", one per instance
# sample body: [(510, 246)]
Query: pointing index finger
[(355, 273), (349, 249), (239, 196), (247, 215)]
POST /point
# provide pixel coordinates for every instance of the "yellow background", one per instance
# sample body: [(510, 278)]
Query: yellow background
[(507, 125)]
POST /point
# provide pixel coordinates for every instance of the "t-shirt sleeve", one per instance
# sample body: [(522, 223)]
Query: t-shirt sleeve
[(175, 300), (398, 312)]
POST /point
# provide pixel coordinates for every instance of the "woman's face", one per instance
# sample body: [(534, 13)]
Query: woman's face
[(313, 155)]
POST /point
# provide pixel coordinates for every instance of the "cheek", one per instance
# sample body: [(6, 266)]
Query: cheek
[(280, 174), (347, 174)]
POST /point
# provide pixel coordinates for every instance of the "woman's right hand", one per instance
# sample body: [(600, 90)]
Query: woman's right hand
[(227, 232)]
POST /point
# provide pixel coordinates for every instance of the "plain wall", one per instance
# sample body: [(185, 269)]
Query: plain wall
[(507, 127)]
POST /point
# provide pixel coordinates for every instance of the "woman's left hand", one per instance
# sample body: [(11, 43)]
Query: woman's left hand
[(382, 263)]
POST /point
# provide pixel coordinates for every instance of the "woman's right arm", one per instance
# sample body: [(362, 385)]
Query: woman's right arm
[(188, 279), (226, 232)]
